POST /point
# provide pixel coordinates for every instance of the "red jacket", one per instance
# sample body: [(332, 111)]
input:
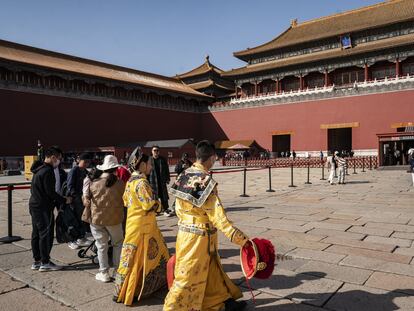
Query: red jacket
[(123, 174)]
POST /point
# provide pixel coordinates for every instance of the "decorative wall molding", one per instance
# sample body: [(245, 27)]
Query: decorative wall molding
[(356, 89)]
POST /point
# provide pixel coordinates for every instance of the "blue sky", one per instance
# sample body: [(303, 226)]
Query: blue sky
[(160, 36)]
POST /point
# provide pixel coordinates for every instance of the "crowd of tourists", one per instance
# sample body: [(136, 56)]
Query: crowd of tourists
[(117, 207)]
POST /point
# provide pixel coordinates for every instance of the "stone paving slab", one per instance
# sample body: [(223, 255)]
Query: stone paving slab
[(403, 235), (345, 250), (15, 260), (336, 234), (327, 225), (345, 222), (389, 281), (316, 255), (372, 231), (360, 244), (356, 297), (28, 299), (8, 284), (71, 287), (266, 302), (10, 249), (287, 284), (394, 227), (391, 241), (409, 251), (335, 272), (106, 303)]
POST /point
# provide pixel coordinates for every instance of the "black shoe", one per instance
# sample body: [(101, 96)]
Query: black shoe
[(233, 305)]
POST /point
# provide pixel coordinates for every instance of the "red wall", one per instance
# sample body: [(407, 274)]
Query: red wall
[(375, 114), (71, 123)]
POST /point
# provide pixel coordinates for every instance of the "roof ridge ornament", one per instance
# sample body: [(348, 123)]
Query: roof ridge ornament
[(294, 22)]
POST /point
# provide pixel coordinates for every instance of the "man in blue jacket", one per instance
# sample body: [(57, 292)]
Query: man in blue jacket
[(75, 185)]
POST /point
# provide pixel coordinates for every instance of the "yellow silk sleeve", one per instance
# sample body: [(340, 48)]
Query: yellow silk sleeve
[(145, 195), (217, 215)]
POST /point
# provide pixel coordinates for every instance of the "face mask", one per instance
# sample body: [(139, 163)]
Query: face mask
[(56, 164)]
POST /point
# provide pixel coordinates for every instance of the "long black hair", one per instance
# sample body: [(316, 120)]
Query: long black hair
[(112, 178), (94, 174)]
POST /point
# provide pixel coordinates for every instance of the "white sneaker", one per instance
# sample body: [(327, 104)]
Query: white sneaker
[(36, 265), (83, 242), (49, 267), (103, 277), (73, 245)]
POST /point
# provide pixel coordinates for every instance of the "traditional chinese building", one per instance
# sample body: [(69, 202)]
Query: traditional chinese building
[(332, 83), (76, 102), (208, 79)]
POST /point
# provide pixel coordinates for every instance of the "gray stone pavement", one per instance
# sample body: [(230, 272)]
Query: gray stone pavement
[(352, 247)]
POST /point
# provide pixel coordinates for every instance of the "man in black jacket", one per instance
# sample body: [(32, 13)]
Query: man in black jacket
[(159, 177), (42, 201), (181, 166)]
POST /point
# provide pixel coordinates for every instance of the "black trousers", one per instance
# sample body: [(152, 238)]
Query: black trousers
[(43, 226), (77, 206), (163, 196)]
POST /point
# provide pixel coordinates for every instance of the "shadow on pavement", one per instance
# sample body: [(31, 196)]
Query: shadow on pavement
[(358, 300), (243, 208)]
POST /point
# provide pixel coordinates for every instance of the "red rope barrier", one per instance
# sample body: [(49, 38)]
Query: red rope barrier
[(15, 188)]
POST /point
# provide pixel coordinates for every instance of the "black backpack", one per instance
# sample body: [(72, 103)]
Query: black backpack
[(68, 227)]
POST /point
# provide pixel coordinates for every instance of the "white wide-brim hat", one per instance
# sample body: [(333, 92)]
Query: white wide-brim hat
[(110, 162), (411, 151)]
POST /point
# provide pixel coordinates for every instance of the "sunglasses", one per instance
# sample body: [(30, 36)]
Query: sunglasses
[(156, 150)]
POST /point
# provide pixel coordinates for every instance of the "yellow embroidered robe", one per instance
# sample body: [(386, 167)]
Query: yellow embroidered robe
[(200, 282), (142, 268)]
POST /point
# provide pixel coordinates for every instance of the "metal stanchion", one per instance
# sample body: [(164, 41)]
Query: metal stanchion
[(354, 166), (10, 237), (370, 163), (308, 182), (323, 171), (244, 183), (270, 180), (291, 176), (363, 164)]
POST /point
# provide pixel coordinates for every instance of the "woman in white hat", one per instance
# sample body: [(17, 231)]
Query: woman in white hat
[(104, 210)]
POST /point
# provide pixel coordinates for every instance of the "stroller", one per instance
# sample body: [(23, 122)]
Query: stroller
[(91, 252)]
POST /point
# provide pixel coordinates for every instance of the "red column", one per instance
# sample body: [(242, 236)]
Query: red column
[(237, 91), (277, 86), (397, 68), (301, 84), (366, 72), (326, 78), (256, 89)]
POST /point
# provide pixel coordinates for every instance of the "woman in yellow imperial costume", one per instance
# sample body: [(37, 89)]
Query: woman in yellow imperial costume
[(142, 268), (200, 282)]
